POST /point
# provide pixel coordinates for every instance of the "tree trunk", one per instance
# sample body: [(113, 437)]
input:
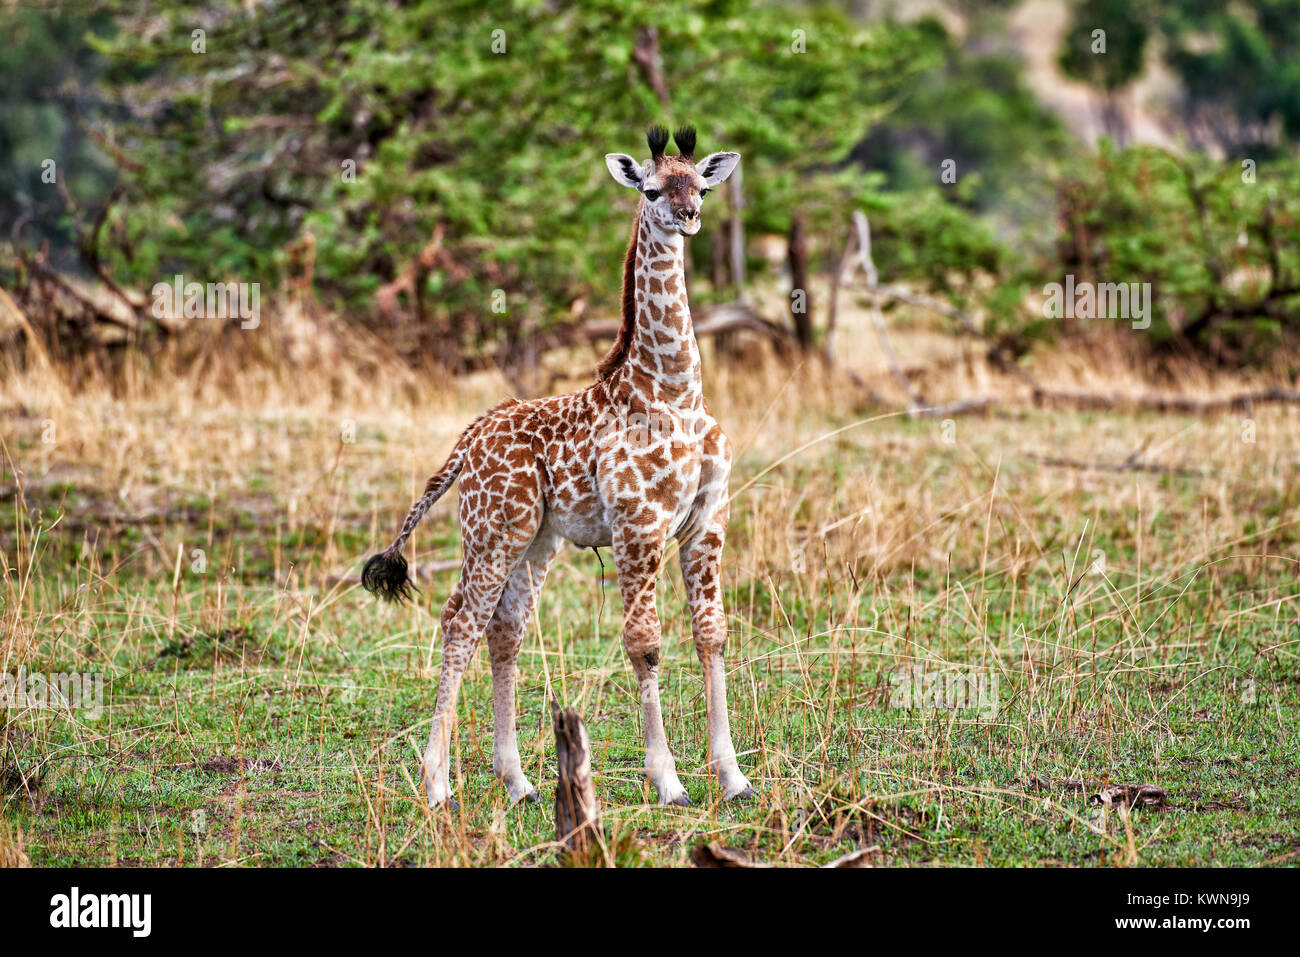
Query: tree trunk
[(718, 272), (800, 294), (737, 236)]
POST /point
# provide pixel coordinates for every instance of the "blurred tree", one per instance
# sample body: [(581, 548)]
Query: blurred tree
[(1105, 46), (443, 162), (1240, 70), (47, 90), (973, 108)]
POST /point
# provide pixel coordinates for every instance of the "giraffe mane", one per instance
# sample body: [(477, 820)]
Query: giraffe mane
[(618, 353)]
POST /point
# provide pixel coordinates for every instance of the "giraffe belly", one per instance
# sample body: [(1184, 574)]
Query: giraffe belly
[(579, 513), (583, 528), (688, 505), (574, 510)]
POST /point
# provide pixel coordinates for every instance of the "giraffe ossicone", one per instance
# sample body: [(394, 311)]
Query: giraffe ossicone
[(631, 461)]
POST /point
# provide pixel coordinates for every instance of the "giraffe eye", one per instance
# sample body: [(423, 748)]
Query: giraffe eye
[(652, 194)]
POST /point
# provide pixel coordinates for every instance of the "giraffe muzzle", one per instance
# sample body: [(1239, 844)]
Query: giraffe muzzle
[(688, 221)]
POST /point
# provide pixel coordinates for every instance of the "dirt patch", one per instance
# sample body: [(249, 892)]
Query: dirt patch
[(14, 782), (229, 765), (228, 646), (331, 859), (1197, 803), (829, 820), (17, 780)]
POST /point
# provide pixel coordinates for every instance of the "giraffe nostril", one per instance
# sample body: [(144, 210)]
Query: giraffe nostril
[(688, 214)]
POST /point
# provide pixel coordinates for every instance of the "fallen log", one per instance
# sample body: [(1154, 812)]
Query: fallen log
[(712, 854), (1243, 401), (710, 321), (1154, 468), (855, 859)]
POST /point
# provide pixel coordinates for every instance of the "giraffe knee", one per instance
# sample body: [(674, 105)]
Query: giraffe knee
[(710, 635), (706, 648), (459, 635), (643, 651), (503, 644), (455, 602)]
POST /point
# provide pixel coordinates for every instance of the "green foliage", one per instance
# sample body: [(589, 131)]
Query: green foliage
[(1222, 252), (1240, 69), (462, 144), (923, 236), (487, 122)]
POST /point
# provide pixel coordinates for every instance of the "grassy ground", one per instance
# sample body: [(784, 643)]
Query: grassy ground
[(193, 543)]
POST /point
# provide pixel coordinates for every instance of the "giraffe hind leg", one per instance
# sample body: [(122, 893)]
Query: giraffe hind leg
[(505, 635), (495, 538)]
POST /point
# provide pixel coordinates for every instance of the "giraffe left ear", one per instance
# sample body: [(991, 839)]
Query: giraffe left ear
[(624, 169), (716, 167)]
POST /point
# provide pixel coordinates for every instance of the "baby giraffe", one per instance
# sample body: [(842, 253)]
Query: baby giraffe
[(631, 461)]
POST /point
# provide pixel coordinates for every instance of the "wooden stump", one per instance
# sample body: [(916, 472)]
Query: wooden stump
[(577, 815)]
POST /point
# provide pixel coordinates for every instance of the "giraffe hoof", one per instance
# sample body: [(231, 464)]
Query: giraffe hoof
[(684, 800), (747, 793), (447, 803), (532, 797)]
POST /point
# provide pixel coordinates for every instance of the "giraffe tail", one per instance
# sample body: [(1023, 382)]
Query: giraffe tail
[(386, 574)]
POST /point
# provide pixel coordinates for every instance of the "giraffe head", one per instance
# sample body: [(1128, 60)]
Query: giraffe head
[(671, 187)]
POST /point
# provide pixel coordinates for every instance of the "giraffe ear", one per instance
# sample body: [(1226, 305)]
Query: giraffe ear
[(716, 167), (624, 169)]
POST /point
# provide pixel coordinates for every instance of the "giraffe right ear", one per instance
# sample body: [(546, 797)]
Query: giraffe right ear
[(716, 167), (624, 169)]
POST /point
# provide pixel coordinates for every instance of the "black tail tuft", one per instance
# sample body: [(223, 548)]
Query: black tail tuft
[(385, 575)]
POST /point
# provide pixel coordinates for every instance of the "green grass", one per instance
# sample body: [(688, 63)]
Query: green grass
[(257, 714)]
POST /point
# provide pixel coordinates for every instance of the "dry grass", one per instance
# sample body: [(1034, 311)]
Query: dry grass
[(254, 689), (11, 846)]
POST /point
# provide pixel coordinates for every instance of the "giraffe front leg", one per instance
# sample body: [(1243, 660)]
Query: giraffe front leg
[(638, 555), (701, 558)]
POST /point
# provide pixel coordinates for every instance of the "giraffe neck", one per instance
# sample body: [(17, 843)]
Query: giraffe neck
[(663, 360)]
